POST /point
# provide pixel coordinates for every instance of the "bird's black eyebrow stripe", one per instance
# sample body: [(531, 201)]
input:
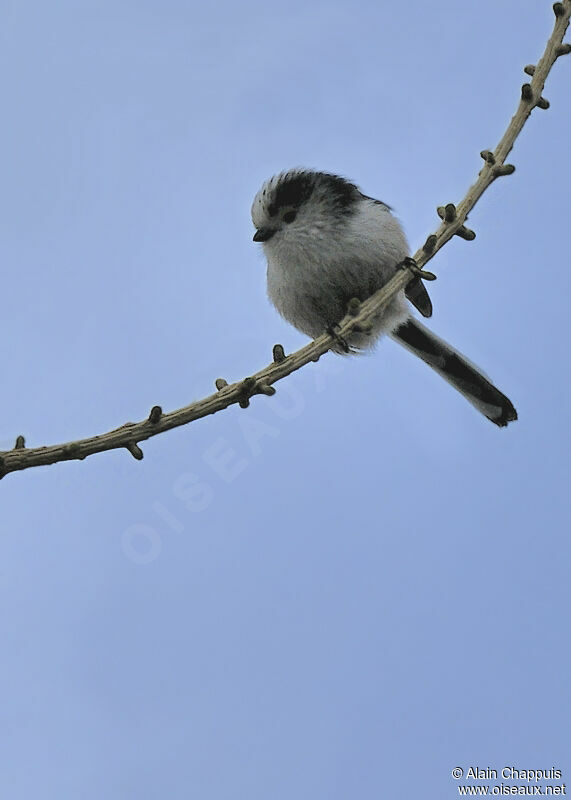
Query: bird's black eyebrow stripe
[(294, 190), (342, 192)]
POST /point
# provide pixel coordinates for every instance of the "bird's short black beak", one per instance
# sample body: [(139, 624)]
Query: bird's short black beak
[(264, 234)]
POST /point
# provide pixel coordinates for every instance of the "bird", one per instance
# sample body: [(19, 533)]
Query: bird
[(326, 243)]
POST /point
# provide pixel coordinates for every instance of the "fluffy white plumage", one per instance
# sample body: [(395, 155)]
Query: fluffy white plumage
[(340, 245)]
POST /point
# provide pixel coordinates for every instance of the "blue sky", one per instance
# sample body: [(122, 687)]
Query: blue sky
[(374, 589)]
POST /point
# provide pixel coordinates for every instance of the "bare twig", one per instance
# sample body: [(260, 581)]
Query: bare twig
[(453, 218)]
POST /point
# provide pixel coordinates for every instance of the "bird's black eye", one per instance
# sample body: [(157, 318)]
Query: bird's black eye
[(289, 216)]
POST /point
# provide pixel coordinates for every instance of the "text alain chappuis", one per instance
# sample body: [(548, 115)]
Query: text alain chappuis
[(507, 774)]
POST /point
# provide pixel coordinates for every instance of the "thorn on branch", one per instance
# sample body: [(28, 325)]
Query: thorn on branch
[(563, 49), (503, 169), (558, 9), (278, 354), (155, 414), (488, 156), (135, 450), (20, 443), (247, 384), (246, 390), (465, 233), (527, 92), (353, 306), (220, 383), (529, 69), (449, 212), (430, 244), (542, 103)]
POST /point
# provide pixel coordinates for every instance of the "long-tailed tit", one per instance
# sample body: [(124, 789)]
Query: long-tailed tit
[(326, 243)]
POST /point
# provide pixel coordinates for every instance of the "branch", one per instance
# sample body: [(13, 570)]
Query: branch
[(453, 218)]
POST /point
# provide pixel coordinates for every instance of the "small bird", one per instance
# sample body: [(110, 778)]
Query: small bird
[(326, 243)]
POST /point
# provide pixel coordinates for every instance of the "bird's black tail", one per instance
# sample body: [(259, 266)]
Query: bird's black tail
[(457, 370)]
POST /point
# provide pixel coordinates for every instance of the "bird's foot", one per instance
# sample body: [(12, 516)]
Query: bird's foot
[(410, 264), (338, 338)]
